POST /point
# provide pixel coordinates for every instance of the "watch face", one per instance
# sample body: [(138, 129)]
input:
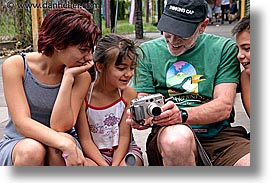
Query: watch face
[(184, 115)]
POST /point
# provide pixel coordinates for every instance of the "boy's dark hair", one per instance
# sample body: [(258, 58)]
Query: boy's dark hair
[(242, 25)]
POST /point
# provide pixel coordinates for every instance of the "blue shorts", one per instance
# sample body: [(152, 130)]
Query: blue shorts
[(7, 145)]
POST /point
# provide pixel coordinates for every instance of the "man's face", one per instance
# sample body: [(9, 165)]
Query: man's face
[(178, 45)]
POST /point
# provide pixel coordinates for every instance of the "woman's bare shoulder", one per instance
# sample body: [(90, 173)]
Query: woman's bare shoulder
[(13, 62)]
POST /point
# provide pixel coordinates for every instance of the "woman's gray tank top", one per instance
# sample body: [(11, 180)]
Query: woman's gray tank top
[(40, 97)]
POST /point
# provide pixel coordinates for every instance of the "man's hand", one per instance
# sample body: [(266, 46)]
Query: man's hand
[(171, 115)]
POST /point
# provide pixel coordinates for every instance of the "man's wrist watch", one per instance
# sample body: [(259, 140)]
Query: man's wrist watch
[(184, 115)]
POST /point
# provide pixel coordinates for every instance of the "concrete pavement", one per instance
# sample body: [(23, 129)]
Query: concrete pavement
[(140, 136)]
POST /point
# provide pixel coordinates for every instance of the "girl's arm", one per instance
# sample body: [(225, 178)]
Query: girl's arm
[(89, 148), (13, 74), (73, 89), (124, 130), (245, 92)]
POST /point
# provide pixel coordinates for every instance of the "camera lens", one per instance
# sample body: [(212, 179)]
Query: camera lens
[(154, 110), (130, 159)]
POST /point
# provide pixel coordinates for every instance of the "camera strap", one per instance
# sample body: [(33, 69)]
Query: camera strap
[(204, 157), (202, 153)]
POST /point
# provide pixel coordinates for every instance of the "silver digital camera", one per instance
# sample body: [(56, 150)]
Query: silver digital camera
[(146, 106)]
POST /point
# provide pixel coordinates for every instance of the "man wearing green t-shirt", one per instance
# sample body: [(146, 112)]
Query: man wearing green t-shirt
[(200, 72)]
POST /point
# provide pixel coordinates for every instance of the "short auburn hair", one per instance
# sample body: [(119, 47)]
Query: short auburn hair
[(63, 27)]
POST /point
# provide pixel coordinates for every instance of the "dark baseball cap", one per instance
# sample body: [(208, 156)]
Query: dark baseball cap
[(182, 17)]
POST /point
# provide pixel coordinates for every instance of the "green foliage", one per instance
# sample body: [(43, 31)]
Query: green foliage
[(7, 27), (121, 10), (15, 24), (123, 27)]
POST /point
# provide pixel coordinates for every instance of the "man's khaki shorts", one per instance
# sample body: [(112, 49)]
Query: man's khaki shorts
[(225, 149)]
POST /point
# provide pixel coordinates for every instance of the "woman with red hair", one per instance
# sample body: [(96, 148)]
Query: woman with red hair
[(44, 91)]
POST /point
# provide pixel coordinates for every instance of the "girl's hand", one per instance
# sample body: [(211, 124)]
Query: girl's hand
[(146, 122)]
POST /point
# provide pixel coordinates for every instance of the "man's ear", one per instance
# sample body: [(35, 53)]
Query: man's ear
[(203, 25)]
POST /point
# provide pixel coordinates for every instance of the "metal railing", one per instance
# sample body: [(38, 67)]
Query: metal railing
[(15, 23)]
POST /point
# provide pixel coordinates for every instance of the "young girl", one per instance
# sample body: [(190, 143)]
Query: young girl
[(242, 32), (44, 91), (105, 137)]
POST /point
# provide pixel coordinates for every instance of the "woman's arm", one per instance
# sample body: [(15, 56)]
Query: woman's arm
[(124, 129), (13, 74), (73, 89), (245, 92), (89, 148)]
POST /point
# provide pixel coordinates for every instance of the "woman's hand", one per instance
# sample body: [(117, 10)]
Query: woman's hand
[(74, 71), (73, 157), (71, 153)]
